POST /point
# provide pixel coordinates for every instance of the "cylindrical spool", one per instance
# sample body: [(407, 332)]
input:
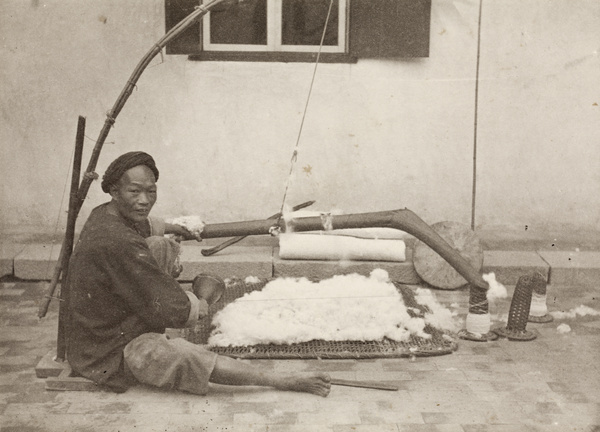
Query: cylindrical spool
[(539, 309), (478, 302), (538, 282), (478, 323), (519, 312), (538, 306), (478, 319)]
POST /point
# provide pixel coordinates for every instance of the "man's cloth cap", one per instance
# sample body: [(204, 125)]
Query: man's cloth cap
[(120, 165)]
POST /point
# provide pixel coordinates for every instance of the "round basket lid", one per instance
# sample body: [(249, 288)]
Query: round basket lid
[(434, 269)]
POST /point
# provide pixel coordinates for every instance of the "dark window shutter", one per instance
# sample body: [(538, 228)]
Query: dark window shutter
[(389, 28), (190, 41)]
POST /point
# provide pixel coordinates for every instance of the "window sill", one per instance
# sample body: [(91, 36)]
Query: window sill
[(283, 57)]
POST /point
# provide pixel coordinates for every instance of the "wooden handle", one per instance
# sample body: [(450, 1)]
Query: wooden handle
[(364, 384), (220, 247)]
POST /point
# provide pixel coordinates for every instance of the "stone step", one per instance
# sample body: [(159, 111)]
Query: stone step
[(37, 262)]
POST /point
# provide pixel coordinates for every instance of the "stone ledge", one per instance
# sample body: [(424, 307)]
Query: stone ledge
[(235, 261), (8, 252), (509, 266), (572, 267), (36, 261)]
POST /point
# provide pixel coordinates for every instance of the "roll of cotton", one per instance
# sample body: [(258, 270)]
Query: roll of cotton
[(339, 248), (287, 310)]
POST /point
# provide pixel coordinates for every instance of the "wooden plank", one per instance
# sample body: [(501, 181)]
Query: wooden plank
[(66, 382), (48, 367)]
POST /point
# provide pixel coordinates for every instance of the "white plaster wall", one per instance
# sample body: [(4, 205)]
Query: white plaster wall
[(378, 135), (539, 136)]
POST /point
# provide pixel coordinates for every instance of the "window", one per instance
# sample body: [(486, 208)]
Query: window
[(291, 30), (276, 26)]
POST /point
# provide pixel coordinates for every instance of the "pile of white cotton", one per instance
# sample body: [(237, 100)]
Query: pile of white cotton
[(438, 316), (573, 313), (251, 280), (350, 307), (496, 290)]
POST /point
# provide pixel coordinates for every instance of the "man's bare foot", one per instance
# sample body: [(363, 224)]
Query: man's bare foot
[(315, 383)]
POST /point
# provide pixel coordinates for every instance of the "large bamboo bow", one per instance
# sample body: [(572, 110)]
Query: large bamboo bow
[(111, 116)]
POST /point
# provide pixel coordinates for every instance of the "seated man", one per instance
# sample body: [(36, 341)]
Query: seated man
[(121, 301)]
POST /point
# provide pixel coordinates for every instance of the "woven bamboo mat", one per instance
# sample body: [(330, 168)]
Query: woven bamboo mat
[(440, 342)]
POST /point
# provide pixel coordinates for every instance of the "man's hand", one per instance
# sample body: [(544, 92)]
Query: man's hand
[(184, 234), (198, 309), (177, 269), (180, 233)]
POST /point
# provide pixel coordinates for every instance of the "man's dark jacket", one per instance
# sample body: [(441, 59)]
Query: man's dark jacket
[(117, 292)]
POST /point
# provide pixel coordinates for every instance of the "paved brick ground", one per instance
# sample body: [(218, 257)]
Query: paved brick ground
[(549, 384)]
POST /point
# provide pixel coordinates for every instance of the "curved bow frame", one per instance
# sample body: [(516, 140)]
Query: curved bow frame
[(403, 219), (111, 116)]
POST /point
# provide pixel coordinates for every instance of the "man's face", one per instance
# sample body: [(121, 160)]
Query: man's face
[(135, 193)]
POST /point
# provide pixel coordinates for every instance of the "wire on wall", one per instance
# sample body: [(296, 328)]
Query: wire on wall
[(474, 191), (312, 82)]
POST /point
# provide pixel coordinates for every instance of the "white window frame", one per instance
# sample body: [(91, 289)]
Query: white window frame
[(274, 13)]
